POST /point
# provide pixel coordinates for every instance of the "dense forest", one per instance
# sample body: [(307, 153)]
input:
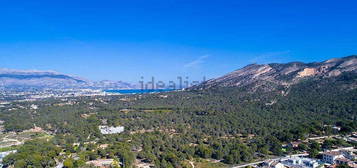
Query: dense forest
[(228, 124)]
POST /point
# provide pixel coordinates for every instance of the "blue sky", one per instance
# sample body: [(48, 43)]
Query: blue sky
[(124, 40)]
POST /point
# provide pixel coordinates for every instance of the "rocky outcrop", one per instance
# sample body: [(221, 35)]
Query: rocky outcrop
[(307, 72)]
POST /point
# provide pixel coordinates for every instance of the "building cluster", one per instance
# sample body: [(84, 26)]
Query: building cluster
[(340, 157), (330, 159), (49, 93), (292, 162)]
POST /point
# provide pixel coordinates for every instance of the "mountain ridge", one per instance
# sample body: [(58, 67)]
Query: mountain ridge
[(280, 74)]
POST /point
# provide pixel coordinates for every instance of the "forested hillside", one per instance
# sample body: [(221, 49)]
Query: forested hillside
[(244, 116), (224, 123)]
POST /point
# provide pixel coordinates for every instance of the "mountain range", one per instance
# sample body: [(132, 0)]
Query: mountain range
[(11, 78), (253, 77)]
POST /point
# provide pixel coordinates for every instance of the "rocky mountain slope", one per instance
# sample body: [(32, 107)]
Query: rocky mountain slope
[(10, 78), (269, 77)]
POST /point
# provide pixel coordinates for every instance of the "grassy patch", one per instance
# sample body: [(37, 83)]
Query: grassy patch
[(8, 148)]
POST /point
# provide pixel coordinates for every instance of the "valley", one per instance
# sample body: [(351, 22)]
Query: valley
[(215, 124)]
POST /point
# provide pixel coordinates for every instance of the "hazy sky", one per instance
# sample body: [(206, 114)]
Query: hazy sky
[(127, 39)]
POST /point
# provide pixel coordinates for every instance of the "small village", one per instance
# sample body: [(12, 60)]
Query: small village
[(342, 157)]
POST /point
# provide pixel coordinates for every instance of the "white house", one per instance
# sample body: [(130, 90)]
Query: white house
[(330, 157), (273, 164), (111, 130), (301, 162)]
